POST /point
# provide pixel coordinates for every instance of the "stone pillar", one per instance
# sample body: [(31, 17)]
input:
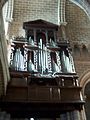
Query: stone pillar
[(1, 78), (62, 11), (3, 52), (62, 18), (9, 16), (63, 32)]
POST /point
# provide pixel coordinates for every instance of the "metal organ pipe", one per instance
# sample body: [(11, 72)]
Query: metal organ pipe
[(67, 62), (43, 57), (58, 61), (72, 62), (18, 61), (46, 58)]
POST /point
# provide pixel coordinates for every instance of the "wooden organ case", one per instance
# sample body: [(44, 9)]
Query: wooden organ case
[(43, 78)]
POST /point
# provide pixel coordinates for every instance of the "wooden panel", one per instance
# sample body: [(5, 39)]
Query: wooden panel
[(70, 94), (39, 93), (68, 82), (56, 94), (44, 93), (16, 94), (32, 93)]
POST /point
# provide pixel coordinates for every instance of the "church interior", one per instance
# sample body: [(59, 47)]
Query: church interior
[(44, 59)]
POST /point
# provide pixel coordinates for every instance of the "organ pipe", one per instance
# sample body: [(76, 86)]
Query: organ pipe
[(43, 58)]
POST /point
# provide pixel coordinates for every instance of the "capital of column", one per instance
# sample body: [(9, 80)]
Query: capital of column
[(63, 23)]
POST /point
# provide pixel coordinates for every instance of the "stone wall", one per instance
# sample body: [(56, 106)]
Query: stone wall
[(28, 10), (78, 24), (78, 33)]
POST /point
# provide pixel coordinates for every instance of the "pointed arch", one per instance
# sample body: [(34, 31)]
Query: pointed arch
[(83, 5), (84, 79)]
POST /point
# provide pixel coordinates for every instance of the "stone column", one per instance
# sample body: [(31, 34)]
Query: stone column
[(9, 16), (62, 11), (3, 52), (62, 19), (63, 32)]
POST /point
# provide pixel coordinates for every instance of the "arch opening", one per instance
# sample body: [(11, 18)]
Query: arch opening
[(85, 9), (85, 83), (87, 99)]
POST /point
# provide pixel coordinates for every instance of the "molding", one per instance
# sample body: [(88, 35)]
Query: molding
[(62, 11), (84, 79), (63, 23), (10, 9)]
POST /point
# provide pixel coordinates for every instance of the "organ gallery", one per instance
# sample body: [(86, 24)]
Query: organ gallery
[(43, 78)]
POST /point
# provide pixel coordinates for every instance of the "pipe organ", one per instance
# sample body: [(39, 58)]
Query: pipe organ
[(44, 55), (43, 82)]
